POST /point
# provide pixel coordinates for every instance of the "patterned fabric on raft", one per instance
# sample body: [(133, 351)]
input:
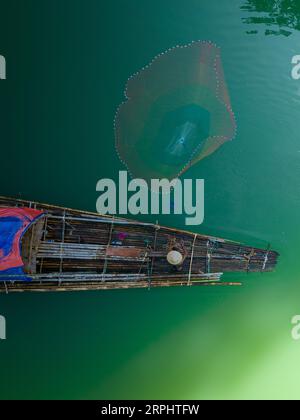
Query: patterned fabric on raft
[(13, 224)]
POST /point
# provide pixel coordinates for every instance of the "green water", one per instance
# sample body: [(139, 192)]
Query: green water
[(68, 61)]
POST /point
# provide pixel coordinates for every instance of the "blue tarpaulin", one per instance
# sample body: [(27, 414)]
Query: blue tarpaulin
[(13, 224)]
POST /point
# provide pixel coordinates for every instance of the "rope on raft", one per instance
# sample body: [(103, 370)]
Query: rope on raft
[(266, 258), (208, 256), (192, 258), (157, 228), (108, 245), (248, 259), (62, 242)]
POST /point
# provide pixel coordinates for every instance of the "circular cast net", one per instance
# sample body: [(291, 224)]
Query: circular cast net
[(177, 112)]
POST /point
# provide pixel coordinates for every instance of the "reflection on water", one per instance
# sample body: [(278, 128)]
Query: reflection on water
[(280, 16)]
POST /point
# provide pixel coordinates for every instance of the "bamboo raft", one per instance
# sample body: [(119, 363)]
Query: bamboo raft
[(69, 250)]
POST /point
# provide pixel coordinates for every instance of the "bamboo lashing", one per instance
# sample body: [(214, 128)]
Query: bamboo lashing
[(62, 242), (108, 245), (266, 258), (192, 259)]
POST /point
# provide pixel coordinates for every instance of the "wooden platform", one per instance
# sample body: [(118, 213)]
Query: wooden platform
[(74, 250)]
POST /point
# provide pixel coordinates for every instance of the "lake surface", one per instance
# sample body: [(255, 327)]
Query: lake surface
[(67, 64)]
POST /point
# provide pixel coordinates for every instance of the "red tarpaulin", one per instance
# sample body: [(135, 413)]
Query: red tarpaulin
[(13, 224)]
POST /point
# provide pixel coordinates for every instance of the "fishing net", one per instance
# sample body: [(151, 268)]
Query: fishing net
[(177, 112)]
